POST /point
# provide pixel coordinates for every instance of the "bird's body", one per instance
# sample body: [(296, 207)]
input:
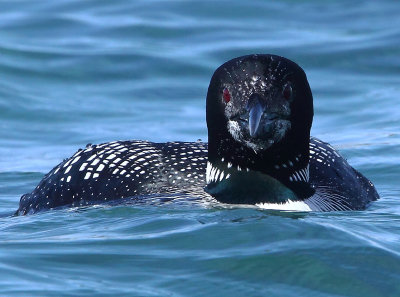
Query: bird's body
[(129, 169)]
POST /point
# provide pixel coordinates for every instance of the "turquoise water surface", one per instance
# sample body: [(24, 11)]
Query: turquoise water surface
[(74, 72)]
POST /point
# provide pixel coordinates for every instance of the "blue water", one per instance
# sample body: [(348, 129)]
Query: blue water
[(74, 72)]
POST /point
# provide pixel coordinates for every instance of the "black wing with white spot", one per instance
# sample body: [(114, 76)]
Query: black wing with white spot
[(338, 186), (120, 169)]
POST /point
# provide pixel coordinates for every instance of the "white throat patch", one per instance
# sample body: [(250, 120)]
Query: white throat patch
[(213, 174)]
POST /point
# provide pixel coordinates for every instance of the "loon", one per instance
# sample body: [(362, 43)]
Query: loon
[(259, 113)]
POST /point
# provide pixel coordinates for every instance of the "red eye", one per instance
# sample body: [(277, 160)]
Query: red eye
[(226, 95), (287, 92)]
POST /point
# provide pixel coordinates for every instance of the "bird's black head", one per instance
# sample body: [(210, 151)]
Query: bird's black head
[(259, 116)]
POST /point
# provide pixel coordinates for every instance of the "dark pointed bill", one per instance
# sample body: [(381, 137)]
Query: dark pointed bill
[(255, 114)]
